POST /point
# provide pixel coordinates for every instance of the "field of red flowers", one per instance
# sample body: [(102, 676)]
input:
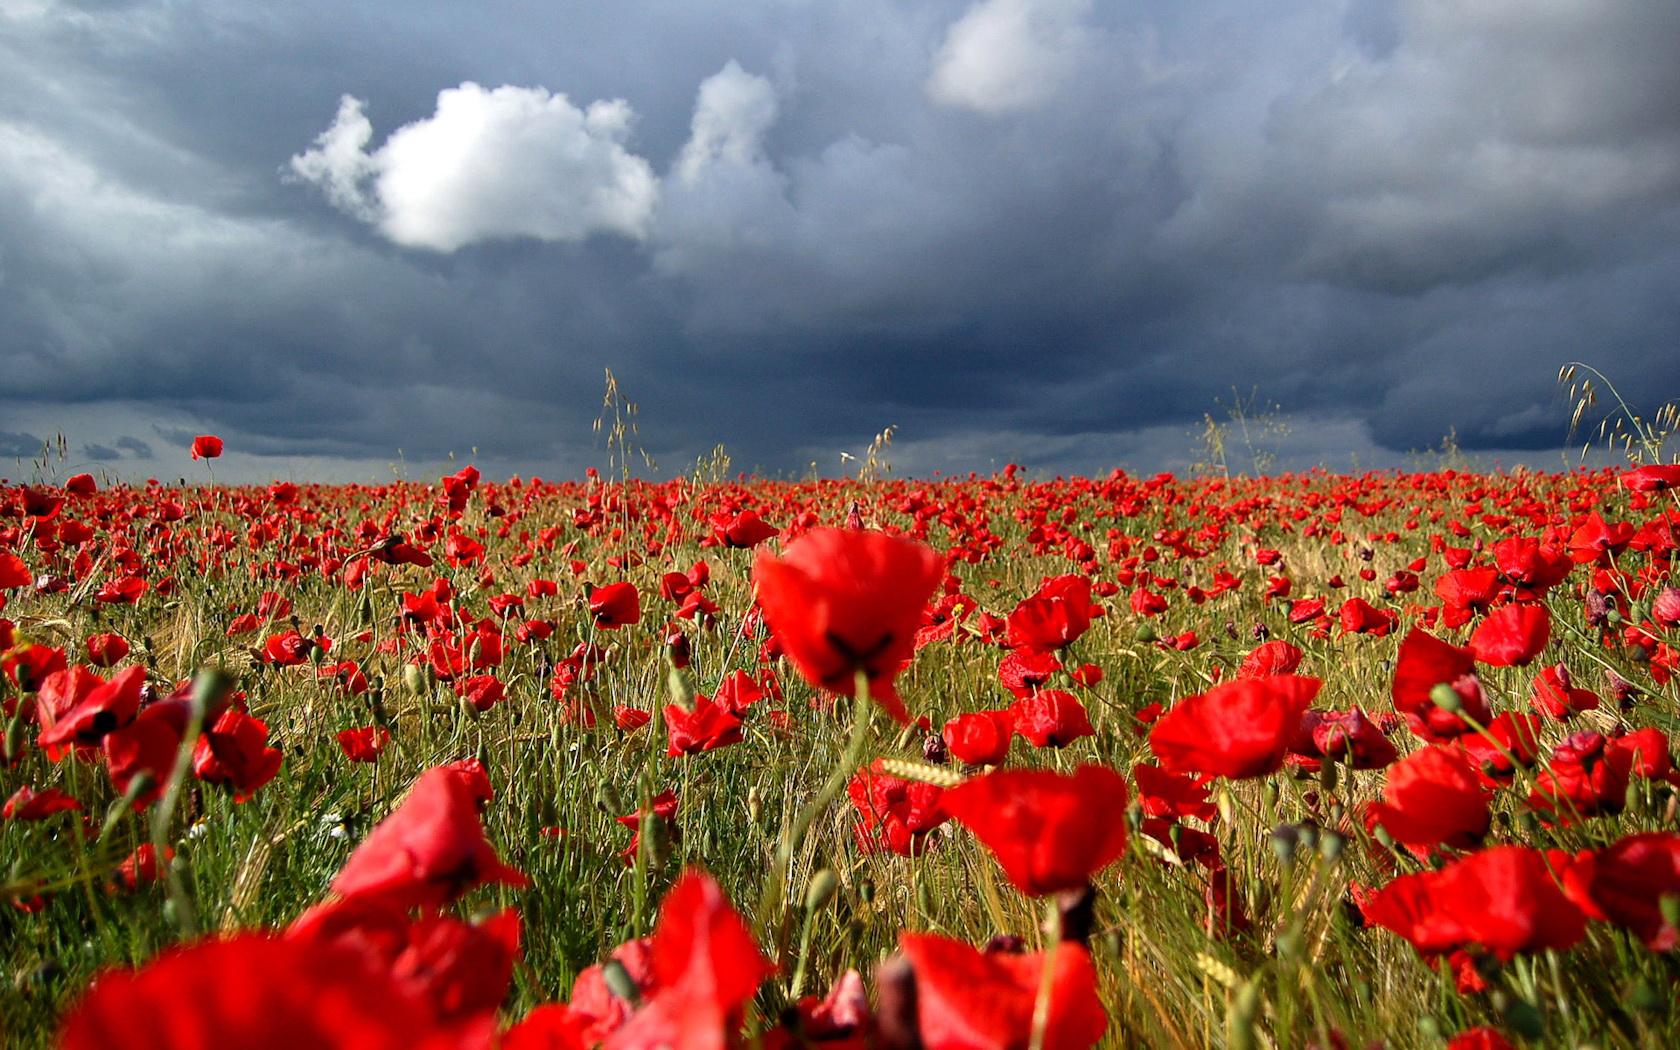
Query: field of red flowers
[(982, 762)]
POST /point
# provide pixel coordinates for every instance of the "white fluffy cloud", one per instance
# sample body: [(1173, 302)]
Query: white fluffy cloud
[(489, 164), (1004, 56)]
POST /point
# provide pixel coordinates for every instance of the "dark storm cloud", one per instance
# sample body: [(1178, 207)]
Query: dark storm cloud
[(1052, 230), (19, 446)]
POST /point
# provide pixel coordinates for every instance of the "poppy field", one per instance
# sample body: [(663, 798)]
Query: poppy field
[(967, 762)]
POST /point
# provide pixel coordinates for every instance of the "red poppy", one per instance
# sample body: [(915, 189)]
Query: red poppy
[(28, 804), (1238, 729), (206, 446), (707, 727), (705, 967), (1050, 831), (1053, 617), (844, 602), (76, 706), (456, 971), (968, 999), (1652, 477), (742, 530), (430, 850), (1349, 737), (1172, 795), (1625, 883), (251, 991), (1051, 718), (616, 605), (147, 747), (1433, 797), (1424, 663), (1512, 635), (13, 572), (234, 751), (1483, 1038), (106, 650), (81, 485), (980, 738), (1269, 658), (1557, 697), (893, 812), (364, 744), (1504, 899), (1023, 671)]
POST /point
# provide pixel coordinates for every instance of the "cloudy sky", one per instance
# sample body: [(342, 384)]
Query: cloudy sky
[(346, 236)]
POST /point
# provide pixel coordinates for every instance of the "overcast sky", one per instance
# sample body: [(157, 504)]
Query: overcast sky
[(1053, 231)]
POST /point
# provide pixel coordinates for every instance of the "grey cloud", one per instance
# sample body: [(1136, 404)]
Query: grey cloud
[(1393, 217)]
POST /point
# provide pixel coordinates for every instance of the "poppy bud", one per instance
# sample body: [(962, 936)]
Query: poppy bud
[(824, 884), (619, 982), (682, 694), (1446, 698), (414, 680), (1146, 634), (895, 1016)]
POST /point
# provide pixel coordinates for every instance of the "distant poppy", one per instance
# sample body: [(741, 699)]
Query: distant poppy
[(206, 446)]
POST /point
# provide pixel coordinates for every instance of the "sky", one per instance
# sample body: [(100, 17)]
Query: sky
[(356, 240)]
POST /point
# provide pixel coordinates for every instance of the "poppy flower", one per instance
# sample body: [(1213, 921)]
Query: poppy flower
[(1585, 775), (363, 744), (1269, 658), (737, 692), (1510, 740), (252, 991), (1172, 795), (430, 850), (895, 813), (14, 572), (1050, 831), (1557, 697), (81, 485), (147, 747), (1652, 477), (845, 602), (1433, 797), (616, 605), (980, 738), (106, 650), (1051, 718), (28, 804), (1024, 671), (1482, 1038), (1055, 616), (206, 446), (1238, 729), (1504, 899), (1425, 662), (551, 1026), (1626, 882), (234, 751), (705, 967), (966, 999), (707, 727), (743, 530), (456, 971), (75, 706), (1349, 737), (1512, 635)]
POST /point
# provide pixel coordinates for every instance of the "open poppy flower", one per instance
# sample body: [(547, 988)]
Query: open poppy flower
[(968, 999), (1050, 831), (844, 602), (259, 993), (704, 967), (1504, 899), (430, 850), (1238, 729), (1424, 663), (206, 446), (1512, 635), (1433, 797)]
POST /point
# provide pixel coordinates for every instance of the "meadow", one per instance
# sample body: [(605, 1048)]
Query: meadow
[(981, 761)]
